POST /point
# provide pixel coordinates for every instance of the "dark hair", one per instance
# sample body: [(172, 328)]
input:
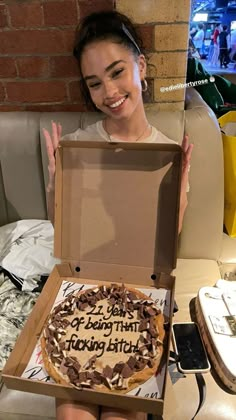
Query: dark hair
[(201, 26), (99, 26), (225, 27), (217, 25)]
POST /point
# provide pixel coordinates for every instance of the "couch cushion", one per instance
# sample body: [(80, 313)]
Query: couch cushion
[(191, 275), (228, 250), (203, 222), (21, 179)]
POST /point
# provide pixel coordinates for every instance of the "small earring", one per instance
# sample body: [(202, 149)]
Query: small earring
[(144, 85), (97, 106)]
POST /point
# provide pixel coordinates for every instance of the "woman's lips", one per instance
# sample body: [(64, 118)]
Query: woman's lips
[(116, 106)]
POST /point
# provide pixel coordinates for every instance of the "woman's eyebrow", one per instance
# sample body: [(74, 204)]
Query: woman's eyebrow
[(110, 67)]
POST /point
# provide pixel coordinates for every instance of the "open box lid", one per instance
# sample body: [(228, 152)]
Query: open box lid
[(116, 209)]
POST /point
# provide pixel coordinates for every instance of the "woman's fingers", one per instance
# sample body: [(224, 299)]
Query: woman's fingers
[(51, 155), (185, 143), (187, 152), (59, 131), (55, 137), (52, 141), (49, 144)]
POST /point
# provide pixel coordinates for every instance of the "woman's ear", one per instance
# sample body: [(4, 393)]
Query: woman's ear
[(142, 66)]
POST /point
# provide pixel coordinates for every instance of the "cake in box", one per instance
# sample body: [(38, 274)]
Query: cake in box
[(99, 331), (109, 337)]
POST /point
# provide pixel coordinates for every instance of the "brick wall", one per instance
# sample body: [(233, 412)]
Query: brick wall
[(38, 72)]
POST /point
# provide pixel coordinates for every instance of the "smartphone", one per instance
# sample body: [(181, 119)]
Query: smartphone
[(188, 345)]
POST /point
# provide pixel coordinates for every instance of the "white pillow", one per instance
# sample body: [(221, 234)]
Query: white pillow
[(26, 248)]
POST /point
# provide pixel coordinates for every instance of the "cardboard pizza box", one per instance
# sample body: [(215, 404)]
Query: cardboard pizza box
[(116, 220)]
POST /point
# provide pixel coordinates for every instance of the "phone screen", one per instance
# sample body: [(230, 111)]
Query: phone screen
[(190, 348)]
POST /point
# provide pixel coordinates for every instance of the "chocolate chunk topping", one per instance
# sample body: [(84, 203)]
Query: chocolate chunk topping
[(69, 361), (73, 375), (126, 371), (96, 378), (140, 364), (143, 325), (130, 306), (152, 329), (153, 332), (92, 300), (99, 295), (46, 333), (108, 372), (151, 363), (91, 362), (108, 383), (118, 367), (63, 368), (65, 323), (131, 362), (87, 384), (50, 347), (154, 343), (115, 378), (151, 311), (77, 366), (141, 311), (62, 345), (83, 298), (83, 305), (82, 376), (58, 309), (132, 296), (112, 301)]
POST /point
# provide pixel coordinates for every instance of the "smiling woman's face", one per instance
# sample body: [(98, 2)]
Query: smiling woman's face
[(113, 76)]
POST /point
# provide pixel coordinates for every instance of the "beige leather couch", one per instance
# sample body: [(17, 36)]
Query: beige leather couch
[(205, 253)]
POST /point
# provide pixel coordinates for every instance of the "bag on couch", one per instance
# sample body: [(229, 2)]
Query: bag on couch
[(228, 128)]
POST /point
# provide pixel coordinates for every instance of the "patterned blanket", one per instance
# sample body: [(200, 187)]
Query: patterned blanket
[(15, 307)]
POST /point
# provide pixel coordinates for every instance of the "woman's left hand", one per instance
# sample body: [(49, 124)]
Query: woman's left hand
[(187, 152)]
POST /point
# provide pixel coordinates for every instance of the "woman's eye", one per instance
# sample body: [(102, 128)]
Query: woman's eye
[(117, 72), (94, 85)]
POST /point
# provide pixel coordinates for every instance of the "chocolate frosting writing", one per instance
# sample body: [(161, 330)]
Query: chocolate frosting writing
[(102, 324), (91, 345)]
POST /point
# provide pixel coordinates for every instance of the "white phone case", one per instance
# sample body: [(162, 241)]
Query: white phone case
[(176, 350)]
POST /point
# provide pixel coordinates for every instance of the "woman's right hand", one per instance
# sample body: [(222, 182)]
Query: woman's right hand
[(52, 141)]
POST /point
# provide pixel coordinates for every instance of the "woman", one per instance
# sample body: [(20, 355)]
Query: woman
[(224, 44), (215, 56), (211, 46), (113, 71), (198, 39)]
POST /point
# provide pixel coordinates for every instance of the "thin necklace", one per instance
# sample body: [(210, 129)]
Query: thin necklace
[(139, 137)]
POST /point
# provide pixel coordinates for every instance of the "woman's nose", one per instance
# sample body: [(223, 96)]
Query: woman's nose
[(110, 89)]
